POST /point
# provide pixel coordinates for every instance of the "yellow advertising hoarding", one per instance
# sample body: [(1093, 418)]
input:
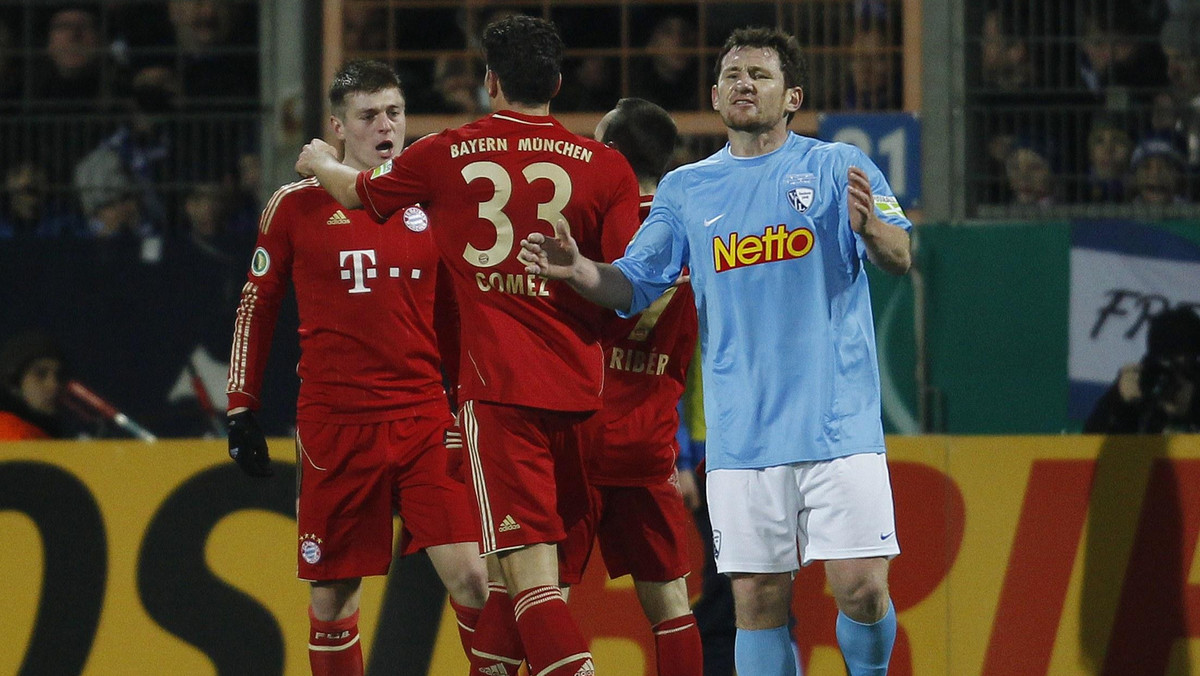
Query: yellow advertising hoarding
[(1022, 556)]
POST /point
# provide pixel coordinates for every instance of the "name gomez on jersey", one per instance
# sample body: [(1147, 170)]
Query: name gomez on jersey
[(486, 186)]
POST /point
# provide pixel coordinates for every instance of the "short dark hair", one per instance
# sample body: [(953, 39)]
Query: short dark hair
[(1173, 332), (361, 75), (791, 59), (645, 134), (526, 54), (20, 351)]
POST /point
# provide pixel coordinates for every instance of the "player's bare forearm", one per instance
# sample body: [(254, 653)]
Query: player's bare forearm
[(319, 159), (340, 180), (888, 246), (603, 284), (558, 258)]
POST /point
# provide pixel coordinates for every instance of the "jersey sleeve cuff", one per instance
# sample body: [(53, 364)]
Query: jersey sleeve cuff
[(364, 196), (240, 400)]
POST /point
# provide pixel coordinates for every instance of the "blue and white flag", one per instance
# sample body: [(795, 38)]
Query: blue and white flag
[(1122, 273)]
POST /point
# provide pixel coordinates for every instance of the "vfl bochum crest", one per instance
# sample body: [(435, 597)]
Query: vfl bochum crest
[(800, 198)]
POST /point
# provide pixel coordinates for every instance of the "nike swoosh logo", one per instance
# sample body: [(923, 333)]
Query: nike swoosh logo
[(714, 219), (884, 536)]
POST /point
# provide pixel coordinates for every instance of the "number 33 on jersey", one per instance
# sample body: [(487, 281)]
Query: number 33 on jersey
[(486, 186)]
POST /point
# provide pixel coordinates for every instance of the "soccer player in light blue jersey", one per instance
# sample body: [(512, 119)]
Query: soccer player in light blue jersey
[(775, 229)]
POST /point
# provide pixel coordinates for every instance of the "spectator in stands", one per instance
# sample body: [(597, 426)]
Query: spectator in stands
[(206, 221), (32, 376), (1181, 43), (1116, 63), (135, 162), (458, 87), (75, 66), (245, 203), (364, 29), (1109, 147), (1158, 168), (589, 83), (1161, 392), (873, 77), (26, 209), (668, 77), (218, 58), (1029, 168), (110, 203), (1005, 58)]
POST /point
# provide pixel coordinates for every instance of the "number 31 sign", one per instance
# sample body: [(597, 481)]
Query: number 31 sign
[(891, 140)]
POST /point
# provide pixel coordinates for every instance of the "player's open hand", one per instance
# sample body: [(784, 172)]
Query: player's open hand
[(553, 258), (862, 202), (312, 155), (248, 444)]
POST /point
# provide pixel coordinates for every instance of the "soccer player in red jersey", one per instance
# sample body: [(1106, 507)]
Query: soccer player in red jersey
[(372, 416), (630, 448), (531, 364)]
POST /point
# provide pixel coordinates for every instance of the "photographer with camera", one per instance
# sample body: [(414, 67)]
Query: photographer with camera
[(1160, 393)]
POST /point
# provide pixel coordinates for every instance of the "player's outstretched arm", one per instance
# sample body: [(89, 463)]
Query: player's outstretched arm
[(559, 258), (888, 246), (319, 159)]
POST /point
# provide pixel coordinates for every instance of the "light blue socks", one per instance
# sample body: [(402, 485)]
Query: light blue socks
[(867, 648), (764, 652)]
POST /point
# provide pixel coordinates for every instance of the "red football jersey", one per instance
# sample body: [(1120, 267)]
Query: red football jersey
[(369, 297), (525, 341), (631, 440)]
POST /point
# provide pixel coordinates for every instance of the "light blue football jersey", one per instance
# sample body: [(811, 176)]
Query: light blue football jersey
[(790, 369)]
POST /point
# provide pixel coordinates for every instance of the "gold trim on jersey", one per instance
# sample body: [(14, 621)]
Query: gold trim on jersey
[(268, 214), (241, 338), (470, 428), (649, 317)]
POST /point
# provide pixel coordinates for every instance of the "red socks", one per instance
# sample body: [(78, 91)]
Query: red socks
[(467, 619), (333, 647), (496, 646), (677, 647), (552, 642)]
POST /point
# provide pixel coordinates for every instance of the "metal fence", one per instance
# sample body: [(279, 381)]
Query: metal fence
[(113, 113), (1082, 108)]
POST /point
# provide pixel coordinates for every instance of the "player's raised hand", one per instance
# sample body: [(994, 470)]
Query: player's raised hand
[(312, 155), (553, 258), (248, 444), (862, 202)]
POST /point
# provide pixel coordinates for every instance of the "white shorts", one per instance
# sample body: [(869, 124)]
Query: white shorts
[(770, 520)]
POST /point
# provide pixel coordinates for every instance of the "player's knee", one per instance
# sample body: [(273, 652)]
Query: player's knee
[(761, 601), (662, 601), (468, 585), (334, 599), (865, 599)]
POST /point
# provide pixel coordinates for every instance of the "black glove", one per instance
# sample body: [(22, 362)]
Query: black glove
[(247, 445)]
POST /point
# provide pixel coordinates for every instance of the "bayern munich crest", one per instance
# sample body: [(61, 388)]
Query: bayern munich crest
[(415, 219), (310, 548)]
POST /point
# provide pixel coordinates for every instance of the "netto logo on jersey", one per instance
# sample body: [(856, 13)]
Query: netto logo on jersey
[(775, 244)]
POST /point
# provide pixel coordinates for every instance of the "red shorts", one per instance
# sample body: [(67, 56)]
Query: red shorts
[(526, 471), (352, 479), (641, 531)]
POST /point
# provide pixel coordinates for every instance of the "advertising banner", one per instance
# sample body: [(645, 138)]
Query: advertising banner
[(1022, 556), (1122, 273)]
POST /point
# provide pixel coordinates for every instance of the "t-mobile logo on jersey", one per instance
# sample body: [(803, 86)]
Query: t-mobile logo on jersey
[(362, 268), (361, 258)]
